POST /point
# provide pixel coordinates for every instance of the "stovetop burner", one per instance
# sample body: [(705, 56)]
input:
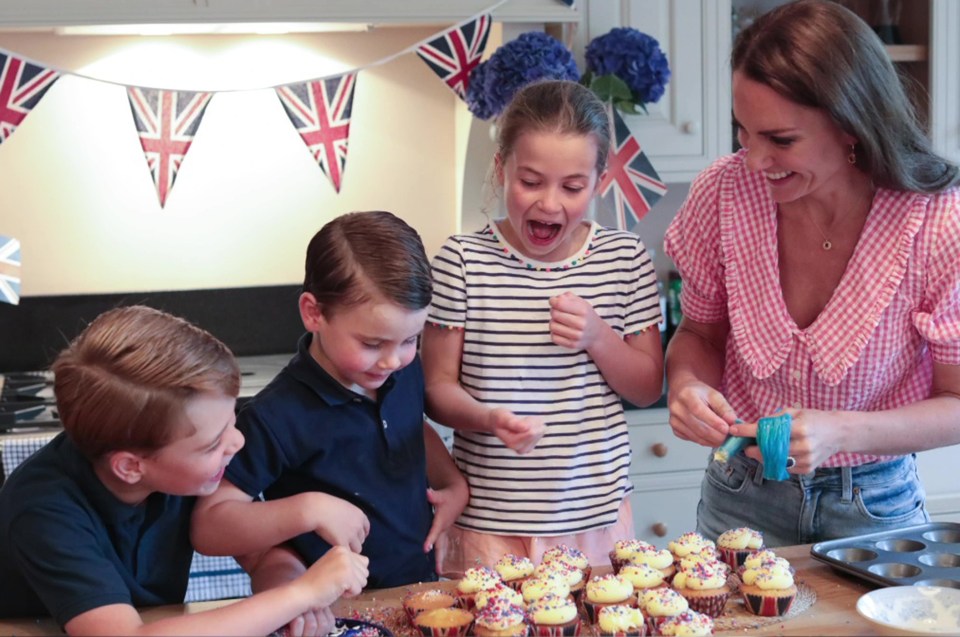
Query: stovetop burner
[(27, 402)]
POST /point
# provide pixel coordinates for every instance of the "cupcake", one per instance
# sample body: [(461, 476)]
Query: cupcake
[(623, 550), (416, 602), (500, 619), (705, 588), (570, 574), (568, 555), (554, 616), (659, 604), (688, 543), (513, 569), (660, 559), (758, 558), (768, 589), (606, 590), (444, 622), (687, 624), (621, 621), (736, 544), (707, 558), (537, 587), (642, 577), (475, 579), (499, 593)]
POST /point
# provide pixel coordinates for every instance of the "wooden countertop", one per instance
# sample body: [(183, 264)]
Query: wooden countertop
[(833, 612)]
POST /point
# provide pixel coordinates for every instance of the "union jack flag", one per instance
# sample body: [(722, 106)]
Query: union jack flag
[(21, 86), (630, 178), (166, 122), (457, 52), (9, 270), (320, 111)]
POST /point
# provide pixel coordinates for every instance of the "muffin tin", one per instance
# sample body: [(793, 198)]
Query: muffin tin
[(922, 555)]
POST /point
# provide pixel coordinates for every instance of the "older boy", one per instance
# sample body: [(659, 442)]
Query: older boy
[(97, 522)]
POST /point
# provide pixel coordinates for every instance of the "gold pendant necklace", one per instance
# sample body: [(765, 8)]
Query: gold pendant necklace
[(827, 244)]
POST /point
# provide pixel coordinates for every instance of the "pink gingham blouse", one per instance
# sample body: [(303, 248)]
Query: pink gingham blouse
[(895, 311)]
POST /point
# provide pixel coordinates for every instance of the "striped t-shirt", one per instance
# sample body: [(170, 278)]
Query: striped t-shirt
[(577, 476)]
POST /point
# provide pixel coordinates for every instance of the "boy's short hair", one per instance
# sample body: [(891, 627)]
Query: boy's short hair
[(361, 253), (123, 382)]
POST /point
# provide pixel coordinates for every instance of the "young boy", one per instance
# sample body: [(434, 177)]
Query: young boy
[(96, 523), (338, 444)]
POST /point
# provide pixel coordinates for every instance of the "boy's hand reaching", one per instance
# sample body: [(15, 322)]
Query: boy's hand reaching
[(340, 572), (520, 433), (339, 522), (448, 503), (574, 323)]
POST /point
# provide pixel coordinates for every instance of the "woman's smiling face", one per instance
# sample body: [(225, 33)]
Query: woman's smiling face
[(549, 180), (799, 150)]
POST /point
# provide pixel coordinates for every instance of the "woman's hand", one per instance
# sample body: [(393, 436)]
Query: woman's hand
[(814, 437), (700, 414)]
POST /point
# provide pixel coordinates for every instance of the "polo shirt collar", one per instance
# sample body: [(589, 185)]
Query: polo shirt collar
[(112, 510), (308, 371)]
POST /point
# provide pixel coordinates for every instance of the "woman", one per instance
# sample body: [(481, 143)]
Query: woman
[(821, 269)]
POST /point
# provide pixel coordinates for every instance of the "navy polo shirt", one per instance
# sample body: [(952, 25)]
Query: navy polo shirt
[(68, 545), (307, 432)]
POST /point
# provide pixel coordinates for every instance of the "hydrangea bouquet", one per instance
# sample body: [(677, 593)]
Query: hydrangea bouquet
[(532, 56), (626, 68)]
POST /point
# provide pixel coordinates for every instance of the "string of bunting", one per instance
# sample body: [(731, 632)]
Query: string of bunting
[(167, 119)]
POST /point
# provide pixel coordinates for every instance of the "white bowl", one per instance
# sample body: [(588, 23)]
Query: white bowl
[(920, 610)]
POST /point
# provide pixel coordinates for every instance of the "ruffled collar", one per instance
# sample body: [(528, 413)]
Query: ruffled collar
[(836, 339)]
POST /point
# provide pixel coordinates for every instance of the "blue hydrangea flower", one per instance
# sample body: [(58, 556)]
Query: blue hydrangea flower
[(532, 56), (632, 56)]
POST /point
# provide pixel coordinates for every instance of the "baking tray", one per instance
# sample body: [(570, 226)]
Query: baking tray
[(922, 555)]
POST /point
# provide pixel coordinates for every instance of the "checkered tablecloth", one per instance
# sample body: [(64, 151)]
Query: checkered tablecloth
[(210, 577)]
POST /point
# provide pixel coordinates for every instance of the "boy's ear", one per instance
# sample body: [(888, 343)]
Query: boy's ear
[(310, 312), (498, 167), (127, 466)]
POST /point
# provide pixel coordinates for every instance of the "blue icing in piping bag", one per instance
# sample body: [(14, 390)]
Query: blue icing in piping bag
[(773, 438)]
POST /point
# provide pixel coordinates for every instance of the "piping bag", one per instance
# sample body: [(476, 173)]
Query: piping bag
[(773, 438)]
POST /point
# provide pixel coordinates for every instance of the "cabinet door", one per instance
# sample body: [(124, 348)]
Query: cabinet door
[(689, 126), (665, 507), (945, 78)]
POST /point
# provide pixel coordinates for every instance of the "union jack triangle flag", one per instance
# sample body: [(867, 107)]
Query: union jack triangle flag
[(166, 122), (9, 270), (630, 179), (457, 52), (21, 86), (320, 111)]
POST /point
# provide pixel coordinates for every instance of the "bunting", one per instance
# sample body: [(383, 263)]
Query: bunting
[(9, 270), (166, 122), (21, 86), (630, 182), (457, 52), (320, 111)]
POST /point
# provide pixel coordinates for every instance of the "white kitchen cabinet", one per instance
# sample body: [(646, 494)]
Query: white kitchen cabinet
[(690, 125), (666, 474), (938, 471), (945, 78)]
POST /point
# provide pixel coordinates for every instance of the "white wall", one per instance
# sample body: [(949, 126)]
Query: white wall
[(76, 191)]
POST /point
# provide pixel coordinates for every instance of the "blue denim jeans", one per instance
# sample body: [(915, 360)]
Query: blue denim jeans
[(823, 505)]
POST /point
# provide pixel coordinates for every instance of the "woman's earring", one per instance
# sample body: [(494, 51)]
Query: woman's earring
[(852, 157)]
